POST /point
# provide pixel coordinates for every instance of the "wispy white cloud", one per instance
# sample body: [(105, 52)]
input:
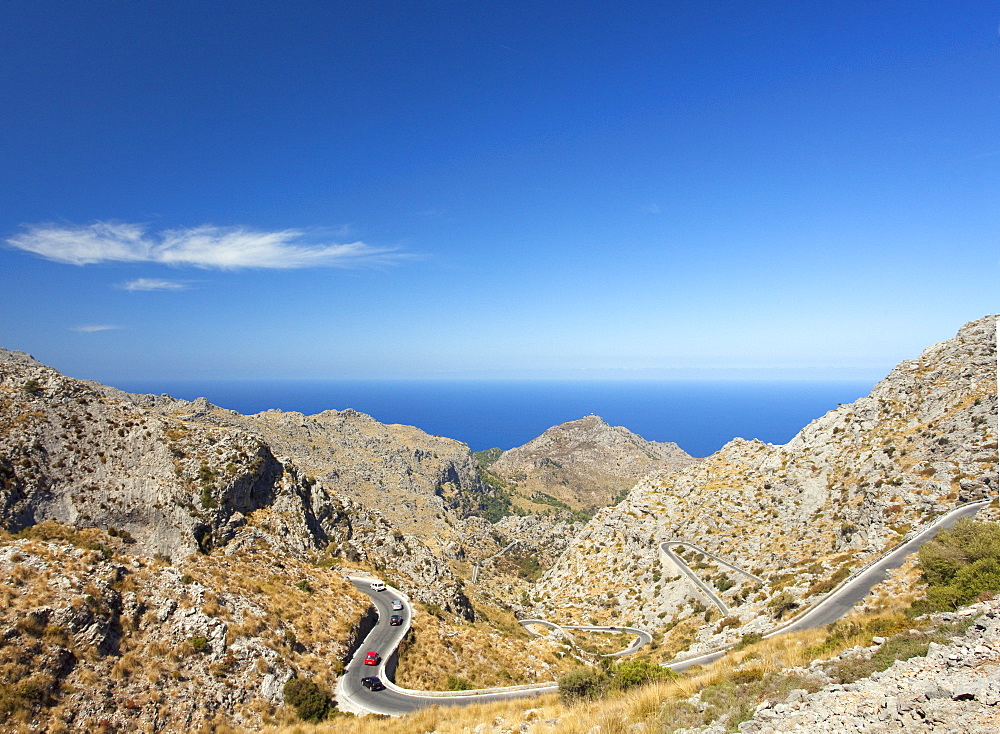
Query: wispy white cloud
[(92, 328), (207, 246), (153, 284)]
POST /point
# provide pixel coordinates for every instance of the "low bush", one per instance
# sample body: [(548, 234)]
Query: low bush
[(310, 700), (582, 683), (750, 638), (631, 673), (458, 684), (782, 603), (960, 566)]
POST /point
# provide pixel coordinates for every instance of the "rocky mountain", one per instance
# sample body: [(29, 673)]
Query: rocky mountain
[(799, 516), (584, 464), (414, 479), (169, 565), (85, 456)]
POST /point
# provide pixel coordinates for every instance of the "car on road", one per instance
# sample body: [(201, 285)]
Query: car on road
[(395, 620), (372, 658), (372, 683), (397, 605), (377, 585)]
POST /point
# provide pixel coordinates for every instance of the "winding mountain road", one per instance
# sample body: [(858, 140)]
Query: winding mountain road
[(853, 589), (384, 639), (641, 636), (666, 550), (395, 700), (479, 564)]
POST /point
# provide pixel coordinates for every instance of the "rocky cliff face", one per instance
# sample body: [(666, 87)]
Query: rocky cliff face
[(68, 454), (800, 515), (178, 483), (420, 483), (585, 464)]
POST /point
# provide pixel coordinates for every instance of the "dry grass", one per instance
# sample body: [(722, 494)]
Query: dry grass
[(437, 652), (601, 643), (57, 569)]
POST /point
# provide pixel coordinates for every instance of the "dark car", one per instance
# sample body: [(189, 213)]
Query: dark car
[(372, 683), (395, 620), (372, 658)]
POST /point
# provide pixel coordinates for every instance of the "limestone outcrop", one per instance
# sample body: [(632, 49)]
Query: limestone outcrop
[(955, 687), (415, 480)]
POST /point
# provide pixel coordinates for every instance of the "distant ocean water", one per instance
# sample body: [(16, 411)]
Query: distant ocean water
[(699, 416)]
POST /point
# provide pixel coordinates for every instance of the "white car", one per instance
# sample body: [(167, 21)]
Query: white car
[(397, 605), (378, 585)]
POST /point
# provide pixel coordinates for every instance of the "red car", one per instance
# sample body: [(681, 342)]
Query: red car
[(372, 658)]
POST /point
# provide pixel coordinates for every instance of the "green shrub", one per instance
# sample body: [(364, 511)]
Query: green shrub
[(303, 585), (724, 583), (632, 673), (960, 566), (200, 644), (582, 683), (458, 684), (750, 638), (783, 602), (208, 501), (310, 700)]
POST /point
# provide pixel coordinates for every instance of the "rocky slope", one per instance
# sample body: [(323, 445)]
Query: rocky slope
[(955, 687), (79, 454), (801, 515), (422, 484), (97, 639), (584, 464)]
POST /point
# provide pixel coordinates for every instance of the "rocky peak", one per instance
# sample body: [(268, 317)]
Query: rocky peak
[(586, 463), (182, 477), (12, 355)]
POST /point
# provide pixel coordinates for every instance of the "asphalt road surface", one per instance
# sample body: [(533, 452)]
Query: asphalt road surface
[(856, 588), (394, 700), (641, 636)]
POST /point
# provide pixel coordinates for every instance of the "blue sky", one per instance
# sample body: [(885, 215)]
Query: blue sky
[(517, 189)]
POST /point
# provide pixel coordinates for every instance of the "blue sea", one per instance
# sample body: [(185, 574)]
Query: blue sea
[(699, 416)]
